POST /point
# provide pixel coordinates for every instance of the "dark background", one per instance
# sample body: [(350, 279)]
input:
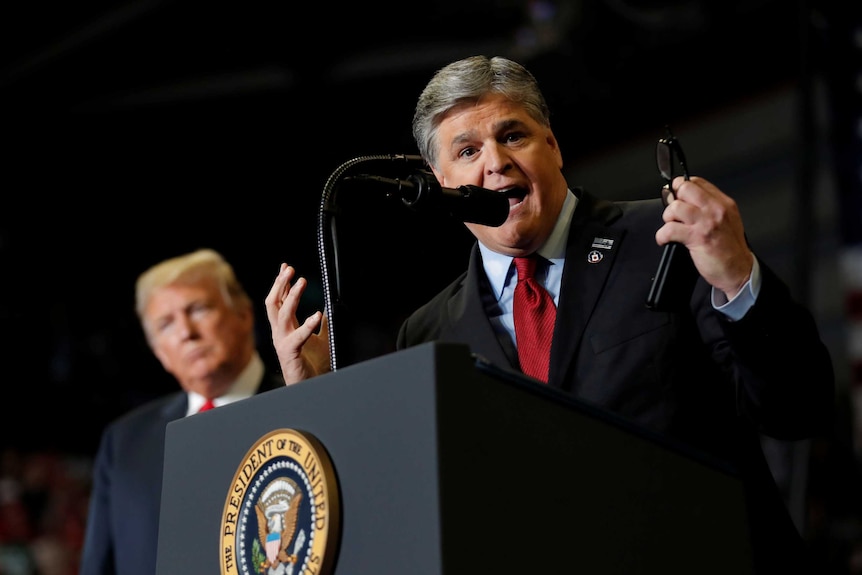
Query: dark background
[(137, 131)]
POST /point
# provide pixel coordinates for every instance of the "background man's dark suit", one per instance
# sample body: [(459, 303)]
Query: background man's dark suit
[(692, 376), (129, 464)]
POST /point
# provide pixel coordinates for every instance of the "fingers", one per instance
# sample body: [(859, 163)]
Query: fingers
[(290, 299), (700, 204), (269, 301), (302, 348), (696, 192), (696, 213), (707, 221), (277, 291), (283, 299), (310, 325), (666, 195)]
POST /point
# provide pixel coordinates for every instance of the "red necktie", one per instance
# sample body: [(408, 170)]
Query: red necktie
[(535, 314), (208, 404)]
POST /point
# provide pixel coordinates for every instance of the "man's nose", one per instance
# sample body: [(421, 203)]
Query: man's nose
[(185, 327), (497, 159)]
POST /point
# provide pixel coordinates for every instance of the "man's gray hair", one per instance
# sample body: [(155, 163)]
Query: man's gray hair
[(466, 81)]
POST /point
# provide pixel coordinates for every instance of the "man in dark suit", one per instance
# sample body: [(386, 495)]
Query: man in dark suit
[(738, 358), (199, 322)]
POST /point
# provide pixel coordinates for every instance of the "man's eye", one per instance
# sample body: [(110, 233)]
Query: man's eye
[(514, 136), (467, 152), (199, 310)]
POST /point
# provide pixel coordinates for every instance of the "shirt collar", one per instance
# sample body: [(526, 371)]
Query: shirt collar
[(244, 386)]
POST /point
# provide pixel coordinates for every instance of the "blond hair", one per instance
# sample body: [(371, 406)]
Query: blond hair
[(191, 268)]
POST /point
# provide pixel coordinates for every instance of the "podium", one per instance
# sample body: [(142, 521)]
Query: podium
[(445, 465)]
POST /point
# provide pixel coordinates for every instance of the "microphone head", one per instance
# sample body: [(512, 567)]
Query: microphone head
[(480, 206), (466, 203)]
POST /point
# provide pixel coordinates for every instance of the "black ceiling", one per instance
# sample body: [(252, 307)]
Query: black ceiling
[(321, 67)]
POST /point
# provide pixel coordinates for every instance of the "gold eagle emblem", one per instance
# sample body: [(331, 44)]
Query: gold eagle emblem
[(277, 512)]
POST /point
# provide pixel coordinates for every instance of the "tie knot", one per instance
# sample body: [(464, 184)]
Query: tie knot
[(526, 267), (208, 404)]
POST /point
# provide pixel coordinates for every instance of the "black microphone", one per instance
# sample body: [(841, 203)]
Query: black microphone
[(421, 191)]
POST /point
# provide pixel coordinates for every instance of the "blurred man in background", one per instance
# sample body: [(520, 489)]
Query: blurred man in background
[(199, 322)]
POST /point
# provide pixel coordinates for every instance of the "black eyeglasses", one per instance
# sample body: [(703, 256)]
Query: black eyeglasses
[(664, 154)]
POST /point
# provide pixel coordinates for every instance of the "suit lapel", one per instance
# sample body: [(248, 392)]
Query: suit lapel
[(175, 406), (590, 255), (467, 320)]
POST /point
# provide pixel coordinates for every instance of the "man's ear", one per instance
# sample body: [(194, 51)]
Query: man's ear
[(555, 146), (437, 175), (246, 316)]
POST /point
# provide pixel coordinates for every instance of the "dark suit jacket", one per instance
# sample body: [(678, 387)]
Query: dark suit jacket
[(692, 376), (123, 518)]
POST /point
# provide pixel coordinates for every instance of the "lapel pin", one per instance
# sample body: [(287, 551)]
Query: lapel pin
[(594, 257), (602, 243)]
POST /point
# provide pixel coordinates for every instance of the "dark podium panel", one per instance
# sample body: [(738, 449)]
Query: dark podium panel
[(447, 467)]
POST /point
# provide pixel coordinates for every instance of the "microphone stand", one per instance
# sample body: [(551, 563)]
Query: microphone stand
[(327, 237)]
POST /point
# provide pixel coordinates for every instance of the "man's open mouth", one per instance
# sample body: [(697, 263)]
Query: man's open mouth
[(517, 194)]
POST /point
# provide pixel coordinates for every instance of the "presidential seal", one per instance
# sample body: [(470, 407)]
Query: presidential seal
[(281, 515)]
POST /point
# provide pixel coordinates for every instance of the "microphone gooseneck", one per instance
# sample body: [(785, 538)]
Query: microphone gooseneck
[(327, 238)]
